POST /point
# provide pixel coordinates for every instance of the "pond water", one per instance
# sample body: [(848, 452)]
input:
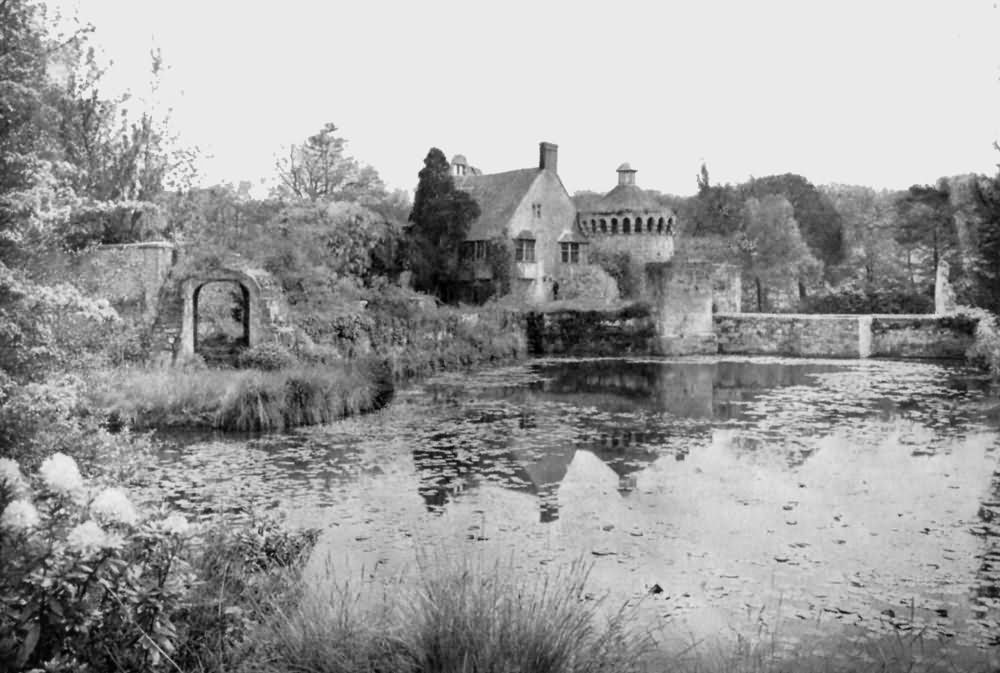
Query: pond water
[(742, 492)]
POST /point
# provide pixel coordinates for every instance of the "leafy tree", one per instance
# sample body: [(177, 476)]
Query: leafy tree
[(72, 162), (439, 223), (925, 229), (717, 210), (872, 257), (818, 220), (319, 170), (773, 248)]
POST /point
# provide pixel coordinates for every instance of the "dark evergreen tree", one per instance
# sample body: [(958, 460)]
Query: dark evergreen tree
[(439, 223)]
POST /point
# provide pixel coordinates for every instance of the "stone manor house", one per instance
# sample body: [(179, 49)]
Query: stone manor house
[(551, 238)]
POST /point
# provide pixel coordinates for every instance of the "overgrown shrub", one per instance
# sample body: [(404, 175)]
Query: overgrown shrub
[(985, 349), (619, 265), (267, 357), (587, 282)]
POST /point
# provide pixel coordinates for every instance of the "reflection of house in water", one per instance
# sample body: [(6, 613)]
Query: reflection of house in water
[(449, 464)]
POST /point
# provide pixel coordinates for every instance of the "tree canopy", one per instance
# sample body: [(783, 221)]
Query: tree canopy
[(320, 170)]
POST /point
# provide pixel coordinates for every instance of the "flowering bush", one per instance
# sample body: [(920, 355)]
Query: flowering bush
[(91, 583), (87, 581)]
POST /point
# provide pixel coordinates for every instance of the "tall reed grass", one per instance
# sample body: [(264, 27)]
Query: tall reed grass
[(454, 617), (241, 400)]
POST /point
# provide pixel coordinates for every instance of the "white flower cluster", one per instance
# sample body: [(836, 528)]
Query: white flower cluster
[(112, 505), (61, 475), (11, 477), (89, 537), (19, 515), (175, 524)]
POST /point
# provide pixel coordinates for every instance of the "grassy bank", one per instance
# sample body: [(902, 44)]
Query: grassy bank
[(240, 399)]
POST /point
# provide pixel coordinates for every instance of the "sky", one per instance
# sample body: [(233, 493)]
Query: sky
[(873, 92)]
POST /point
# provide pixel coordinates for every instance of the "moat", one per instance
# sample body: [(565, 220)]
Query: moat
[(730, 492)]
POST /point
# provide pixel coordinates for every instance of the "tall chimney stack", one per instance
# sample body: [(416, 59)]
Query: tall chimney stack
[(548, 156)]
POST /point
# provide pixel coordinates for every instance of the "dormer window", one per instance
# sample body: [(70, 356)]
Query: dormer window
[(536, 209)]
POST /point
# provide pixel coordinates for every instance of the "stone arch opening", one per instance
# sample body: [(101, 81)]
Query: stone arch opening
[(626, 226), (649, 226), (659, 226), (614, 225), (221, 311), (604, 226), (593, 226)]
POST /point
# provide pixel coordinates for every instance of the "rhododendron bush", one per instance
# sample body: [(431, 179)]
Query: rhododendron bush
[(91, 581)]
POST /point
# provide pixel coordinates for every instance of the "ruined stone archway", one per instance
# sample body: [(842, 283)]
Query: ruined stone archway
[(265, 312)]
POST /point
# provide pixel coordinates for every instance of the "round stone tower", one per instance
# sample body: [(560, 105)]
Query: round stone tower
[(629, 219)]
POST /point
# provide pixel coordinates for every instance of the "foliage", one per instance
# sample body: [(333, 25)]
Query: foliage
[(72, 156), (819, 222), (618, 264), (91, 582), (72, 592), (587, 282), (772, 247), (45, 329), (872, 301), (872, 256), (439, 223), (717, 209), (266, 357), (318, 170), (925, 224), (985, 266), (500, 259), (985, 349)]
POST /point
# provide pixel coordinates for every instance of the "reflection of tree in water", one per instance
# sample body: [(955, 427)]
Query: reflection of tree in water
[(986, 590)]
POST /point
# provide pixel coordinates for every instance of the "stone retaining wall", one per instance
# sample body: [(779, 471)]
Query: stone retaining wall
[(630, 331), (921, 336), (845, 336), (837, 336)]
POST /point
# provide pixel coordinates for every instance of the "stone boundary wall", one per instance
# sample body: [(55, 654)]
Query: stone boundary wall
[(129, 275), (843, 336), (922, 336), (803, 335), (597, 333)]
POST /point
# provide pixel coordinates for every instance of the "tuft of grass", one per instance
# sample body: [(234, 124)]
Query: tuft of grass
[(468, 616), (241, 400), (455, 617)]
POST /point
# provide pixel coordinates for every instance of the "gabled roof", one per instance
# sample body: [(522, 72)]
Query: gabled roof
[(498, 196)]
